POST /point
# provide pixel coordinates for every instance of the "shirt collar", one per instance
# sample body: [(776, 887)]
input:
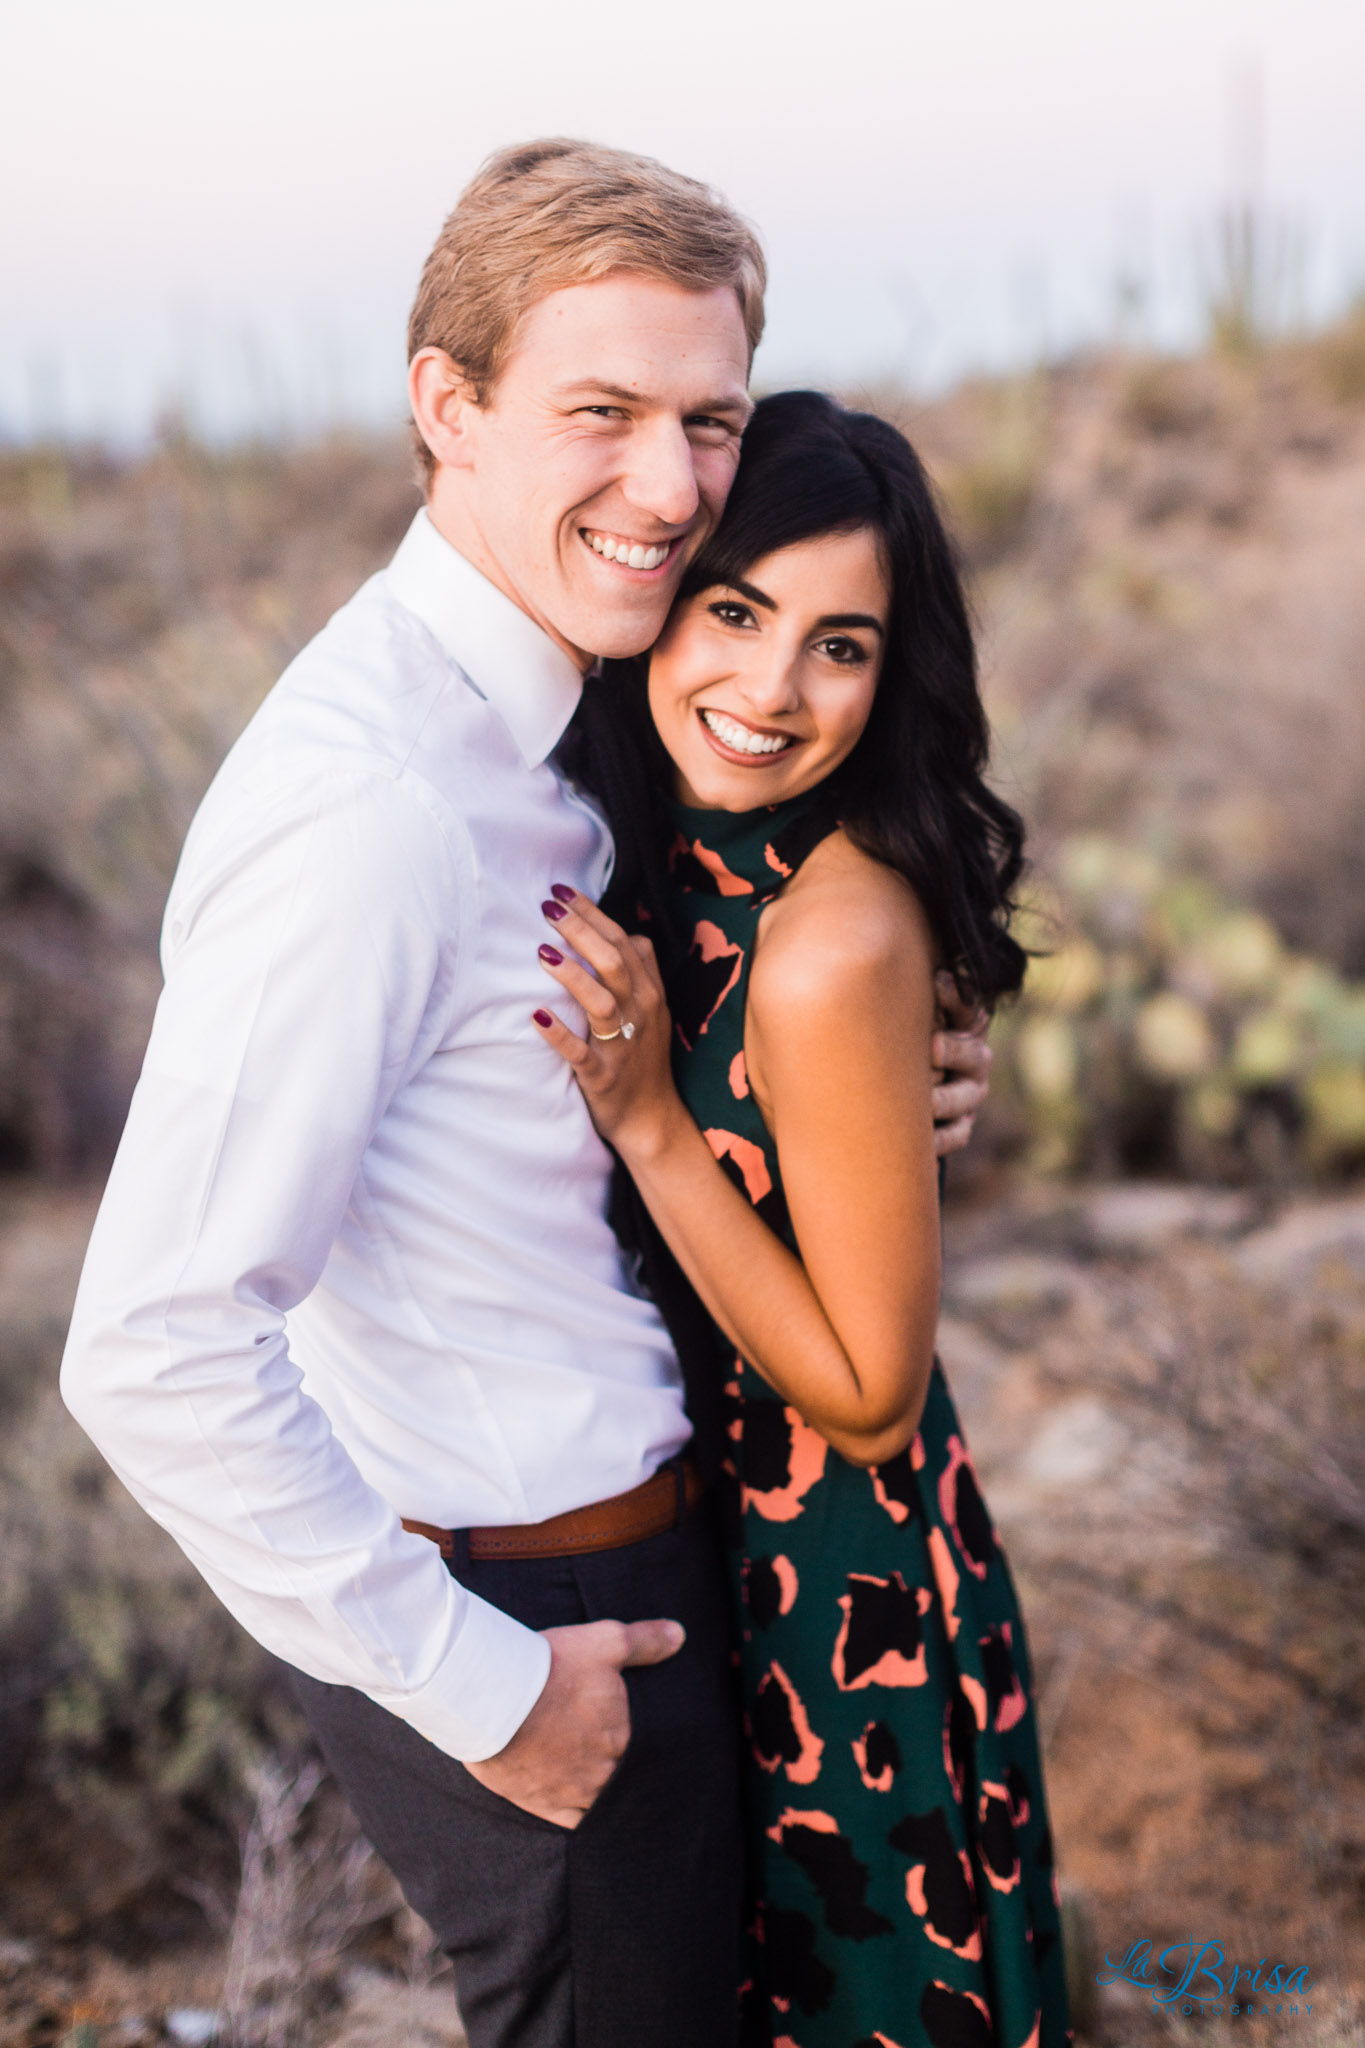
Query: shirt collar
[(532, 685)]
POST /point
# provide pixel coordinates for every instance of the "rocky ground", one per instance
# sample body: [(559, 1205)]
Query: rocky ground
[(1162, 1386)]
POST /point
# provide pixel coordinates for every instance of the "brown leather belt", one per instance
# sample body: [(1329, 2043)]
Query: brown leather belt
[(647, 1510)]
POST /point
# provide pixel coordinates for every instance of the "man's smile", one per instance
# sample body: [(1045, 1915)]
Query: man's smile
[(625, 553)]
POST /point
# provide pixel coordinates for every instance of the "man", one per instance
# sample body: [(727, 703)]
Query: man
[(353, 1265)]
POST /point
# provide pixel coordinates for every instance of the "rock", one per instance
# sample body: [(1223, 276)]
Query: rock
[(972, 1366), (389, 2012), (193, 2026), (16, 1955), (1141, 1217), (1015, 1280), (1293, 1247), (1078, 1442)]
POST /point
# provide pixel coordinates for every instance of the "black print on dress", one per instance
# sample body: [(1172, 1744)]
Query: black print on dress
[(780, 1729), (958, 1727), (767, 1447), (878, 1756), (938, 1885), (703, 981), (1016, 1789), (814, 1843), (995, 1831), (894, 1486), (795, 1972), (964, 1510), (881, 1641), (1006, 1701), (955, 2019)]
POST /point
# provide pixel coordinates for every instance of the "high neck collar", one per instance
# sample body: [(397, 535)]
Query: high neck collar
[(747, 853)]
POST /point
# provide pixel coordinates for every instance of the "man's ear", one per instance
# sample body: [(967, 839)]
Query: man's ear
[(443, 402)]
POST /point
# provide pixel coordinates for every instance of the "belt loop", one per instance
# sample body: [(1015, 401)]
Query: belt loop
[(680, 1490), (457, 1563)]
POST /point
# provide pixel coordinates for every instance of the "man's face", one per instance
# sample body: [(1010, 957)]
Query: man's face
[(602, 458)]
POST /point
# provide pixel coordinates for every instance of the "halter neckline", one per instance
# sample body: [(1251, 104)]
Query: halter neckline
[(746, 853)]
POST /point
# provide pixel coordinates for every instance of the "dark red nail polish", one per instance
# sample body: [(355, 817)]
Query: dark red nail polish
[(554, 911), (563, 892), (550, 957), (543, 1018)]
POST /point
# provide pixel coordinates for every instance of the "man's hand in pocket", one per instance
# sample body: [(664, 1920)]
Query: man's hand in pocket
[(576, 1733)]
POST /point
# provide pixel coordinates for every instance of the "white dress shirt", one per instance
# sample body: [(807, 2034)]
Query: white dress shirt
[(352, 1262)]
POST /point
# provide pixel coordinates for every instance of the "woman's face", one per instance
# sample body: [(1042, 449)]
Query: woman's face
[(760, 688)]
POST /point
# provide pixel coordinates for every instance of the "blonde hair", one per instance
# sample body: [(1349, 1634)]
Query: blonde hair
[(543, 215)]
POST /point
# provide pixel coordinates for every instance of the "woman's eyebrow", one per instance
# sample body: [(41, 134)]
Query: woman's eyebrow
[(843, 621), (752, 592)]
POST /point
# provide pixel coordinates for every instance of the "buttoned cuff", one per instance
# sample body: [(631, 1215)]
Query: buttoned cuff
[(482, 1691)]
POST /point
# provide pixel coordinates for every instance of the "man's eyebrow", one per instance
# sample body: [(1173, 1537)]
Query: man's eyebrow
[(591, 387)]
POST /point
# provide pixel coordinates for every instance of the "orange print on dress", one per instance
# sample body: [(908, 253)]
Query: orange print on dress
[(803, 1466), (946, 1579), (728, 883), (880, 1641), (758, 1182), (1032, 2040), (975, 1693), (818, 1823), (788, 1582), (739, 1076), (780, 1729)]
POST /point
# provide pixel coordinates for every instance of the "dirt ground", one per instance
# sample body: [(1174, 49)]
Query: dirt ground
[(1162, 1387)]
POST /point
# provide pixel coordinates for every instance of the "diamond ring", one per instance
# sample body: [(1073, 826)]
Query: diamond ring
[(623, 1030)]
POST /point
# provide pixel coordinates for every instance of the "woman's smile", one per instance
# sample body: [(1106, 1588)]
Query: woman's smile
[(737, 739)]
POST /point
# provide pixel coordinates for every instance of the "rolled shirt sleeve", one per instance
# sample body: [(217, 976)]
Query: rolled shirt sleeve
[(312, 956)]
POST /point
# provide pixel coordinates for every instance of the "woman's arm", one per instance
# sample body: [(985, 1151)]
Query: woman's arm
[(841, 1013)]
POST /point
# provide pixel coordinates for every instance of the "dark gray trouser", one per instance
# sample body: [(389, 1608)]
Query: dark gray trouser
[(624, 1932)]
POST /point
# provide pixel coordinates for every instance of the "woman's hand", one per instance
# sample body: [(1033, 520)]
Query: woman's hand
[(623, 1066)]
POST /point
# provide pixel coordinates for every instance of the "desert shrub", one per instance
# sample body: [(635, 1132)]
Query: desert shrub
[(991, 489), (162, 1709), (1340, 357), (1163, 1027)]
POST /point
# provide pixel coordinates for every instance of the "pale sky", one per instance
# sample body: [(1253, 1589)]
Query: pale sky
[(229, 204)]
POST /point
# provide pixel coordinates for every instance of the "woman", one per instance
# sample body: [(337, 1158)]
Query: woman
[(831, 844)]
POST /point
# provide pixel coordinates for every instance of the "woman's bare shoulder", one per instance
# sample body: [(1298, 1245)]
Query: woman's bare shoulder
[(846, 923)]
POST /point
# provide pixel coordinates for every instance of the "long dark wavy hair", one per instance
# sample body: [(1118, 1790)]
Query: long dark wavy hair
[(912, 792)]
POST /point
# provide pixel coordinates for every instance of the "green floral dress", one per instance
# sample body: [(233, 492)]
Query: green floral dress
[(903, 1869)]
